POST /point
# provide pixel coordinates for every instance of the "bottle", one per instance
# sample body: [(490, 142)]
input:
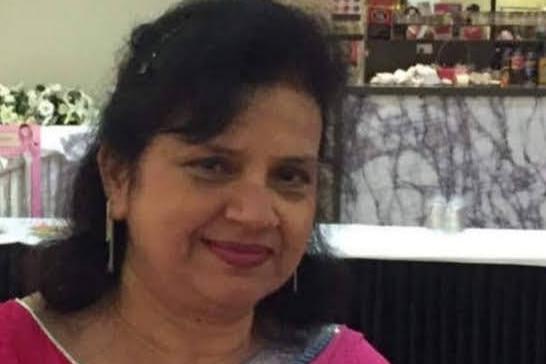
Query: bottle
[(496, 62), (516, 67), (541, 66), (530, 68), (505, 67)]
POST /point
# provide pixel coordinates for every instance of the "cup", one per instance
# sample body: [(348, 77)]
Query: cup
[(435, 212), (454, 215)]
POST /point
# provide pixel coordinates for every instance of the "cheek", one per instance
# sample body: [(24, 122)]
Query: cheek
[(297, 228), (163, 244), (172, 216), (165, 211)]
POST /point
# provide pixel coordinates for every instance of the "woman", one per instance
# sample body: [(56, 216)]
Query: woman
[(31, 154), (204, 175)]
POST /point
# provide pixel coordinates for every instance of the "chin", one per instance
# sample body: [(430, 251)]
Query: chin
[(238, 296)]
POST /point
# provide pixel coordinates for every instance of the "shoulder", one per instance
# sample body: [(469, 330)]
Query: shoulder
[(347, 346), (16, 331), (22, 339), (14, 318)]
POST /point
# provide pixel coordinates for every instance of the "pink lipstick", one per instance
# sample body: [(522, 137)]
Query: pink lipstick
[(238, 254)]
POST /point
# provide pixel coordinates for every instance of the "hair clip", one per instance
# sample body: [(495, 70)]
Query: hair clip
[(145, 66)]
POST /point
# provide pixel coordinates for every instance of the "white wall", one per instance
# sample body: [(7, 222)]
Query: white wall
[(72, 42)]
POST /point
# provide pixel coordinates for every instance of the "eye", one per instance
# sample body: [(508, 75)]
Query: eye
[(292, 178), (213, 168)]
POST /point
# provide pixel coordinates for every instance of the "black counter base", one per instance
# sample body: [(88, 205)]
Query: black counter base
[(444, 313)]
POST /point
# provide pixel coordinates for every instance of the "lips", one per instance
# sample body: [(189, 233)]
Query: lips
[(239, 254)]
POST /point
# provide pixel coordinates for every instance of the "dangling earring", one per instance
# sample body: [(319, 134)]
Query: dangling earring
[(295, 281), (109, 237)]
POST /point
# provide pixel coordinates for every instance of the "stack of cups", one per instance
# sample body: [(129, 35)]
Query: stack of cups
[(436, 208), (444, 215), (454, 215)]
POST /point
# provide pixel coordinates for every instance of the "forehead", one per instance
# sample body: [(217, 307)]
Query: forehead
[(279, 120), (277, 113)]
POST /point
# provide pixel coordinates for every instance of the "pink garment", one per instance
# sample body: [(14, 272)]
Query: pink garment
[(349, 347), (22, 341), (24, 140)]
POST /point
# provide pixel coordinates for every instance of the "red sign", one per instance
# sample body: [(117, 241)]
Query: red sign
[(444, 31), (379, 15)]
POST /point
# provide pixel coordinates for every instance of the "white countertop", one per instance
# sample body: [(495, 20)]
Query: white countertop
[(497, 246), (21, 229)]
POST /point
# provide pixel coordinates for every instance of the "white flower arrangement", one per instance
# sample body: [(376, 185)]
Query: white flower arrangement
[(46, 105)]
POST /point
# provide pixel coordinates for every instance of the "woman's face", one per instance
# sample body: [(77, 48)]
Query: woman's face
[(25, 133), (227, 220)]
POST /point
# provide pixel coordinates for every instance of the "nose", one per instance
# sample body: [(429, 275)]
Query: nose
[(252, 205)]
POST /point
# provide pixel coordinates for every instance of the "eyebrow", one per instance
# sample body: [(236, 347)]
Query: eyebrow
[(220, 149), (291, 159)]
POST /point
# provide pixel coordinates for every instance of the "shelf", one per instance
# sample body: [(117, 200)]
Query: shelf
[(349, 36), (342, 17), (457, 40), (511, 91), (462, 24)]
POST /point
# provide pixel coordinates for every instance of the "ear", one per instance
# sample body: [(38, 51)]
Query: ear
[(115, 181)]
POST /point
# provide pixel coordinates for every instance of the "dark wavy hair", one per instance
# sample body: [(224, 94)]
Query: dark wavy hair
[(189, 72)]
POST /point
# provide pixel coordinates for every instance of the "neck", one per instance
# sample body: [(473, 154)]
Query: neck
[(196, 332)]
